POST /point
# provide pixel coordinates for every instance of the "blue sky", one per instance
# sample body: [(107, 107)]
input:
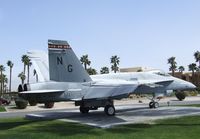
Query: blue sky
[(140, 32)]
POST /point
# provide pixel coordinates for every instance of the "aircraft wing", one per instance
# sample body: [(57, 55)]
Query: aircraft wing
[(114, 89)]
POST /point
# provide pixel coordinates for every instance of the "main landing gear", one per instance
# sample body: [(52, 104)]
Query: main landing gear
[(154, 102), (109, 110), (86, 106)]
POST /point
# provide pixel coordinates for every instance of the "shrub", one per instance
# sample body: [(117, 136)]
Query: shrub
[(32, 103), (21, 103), (180, 95)]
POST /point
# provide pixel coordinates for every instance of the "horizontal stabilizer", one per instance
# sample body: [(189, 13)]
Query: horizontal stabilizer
[(42, 91)]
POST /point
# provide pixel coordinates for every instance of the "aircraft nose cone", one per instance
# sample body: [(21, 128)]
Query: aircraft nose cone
[(191, 86)]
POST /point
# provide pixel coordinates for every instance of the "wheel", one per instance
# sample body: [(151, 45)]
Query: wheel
[(49, 105), (109, 110), (151, 105), (155, 105), (84, 109)]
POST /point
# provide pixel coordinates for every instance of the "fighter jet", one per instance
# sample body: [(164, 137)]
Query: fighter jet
[(68, 81)]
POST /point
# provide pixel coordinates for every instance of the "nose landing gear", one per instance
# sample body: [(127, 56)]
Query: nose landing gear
[(153, 104)]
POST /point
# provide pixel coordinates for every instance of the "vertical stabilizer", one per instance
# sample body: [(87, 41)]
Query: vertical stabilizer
[(64, 66)]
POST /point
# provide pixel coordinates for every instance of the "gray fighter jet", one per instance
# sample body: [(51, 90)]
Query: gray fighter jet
[(65, 79)]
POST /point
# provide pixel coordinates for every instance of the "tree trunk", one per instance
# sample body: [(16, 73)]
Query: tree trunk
[(3, 87), (10, 79), (115, 67), (192, 76), (24, 69), (172, 72), (28, 74), (1, 83), (85, 66)]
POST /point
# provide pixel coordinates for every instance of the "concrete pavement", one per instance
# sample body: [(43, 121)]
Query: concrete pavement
[(127, 111)]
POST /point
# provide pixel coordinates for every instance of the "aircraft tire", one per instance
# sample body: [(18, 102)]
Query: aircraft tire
[(151, 105), (49, 105), (155, 105), (109, 110), (84, 109)]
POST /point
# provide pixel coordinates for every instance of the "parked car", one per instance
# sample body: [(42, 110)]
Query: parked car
[(4, 101)]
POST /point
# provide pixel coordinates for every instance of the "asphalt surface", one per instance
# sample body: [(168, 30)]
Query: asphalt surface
[(125, 113)]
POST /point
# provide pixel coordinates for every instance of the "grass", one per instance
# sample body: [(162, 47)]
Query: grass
[(2, 109), (190, 105), (179, 128)]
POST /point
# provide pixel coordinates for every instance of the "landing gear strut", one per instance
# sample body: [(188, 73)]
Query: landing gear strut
[(154, 102), (86, 106), (84, 109)]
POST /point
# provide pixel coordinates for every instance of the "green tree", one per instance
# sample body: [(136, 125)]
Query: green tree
[(35, 74), (85, 61), (181, 69), (25, 61), (114, 60), (172, 63), (91, 71), (192, 67), (10, 65), (104, 70), (22, 76), (197, 57), (4, 81), (2, 68)]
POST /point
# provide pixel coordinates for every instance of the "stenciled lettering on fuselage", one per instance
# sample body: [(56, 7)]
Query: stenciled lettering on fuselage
[(69, 67)]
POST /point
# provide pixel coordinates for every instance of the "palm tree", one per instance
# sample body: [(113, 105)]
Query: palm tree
[(114, 60), (104, 70), (85, 61), (197, 57), (35, 74), (2, 68), (192, 67), (10, 64), (181, 69), (91, 71), (172, 63), (25, 60), (22, 76), (28, 67), (4, 80)]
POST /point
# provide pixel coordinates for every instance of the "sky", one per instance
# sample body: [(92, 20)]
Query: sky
[(141, 32)]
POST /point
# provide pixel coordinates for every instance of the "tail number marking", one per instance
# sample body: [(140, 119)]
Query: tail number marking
[(68, 67)]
